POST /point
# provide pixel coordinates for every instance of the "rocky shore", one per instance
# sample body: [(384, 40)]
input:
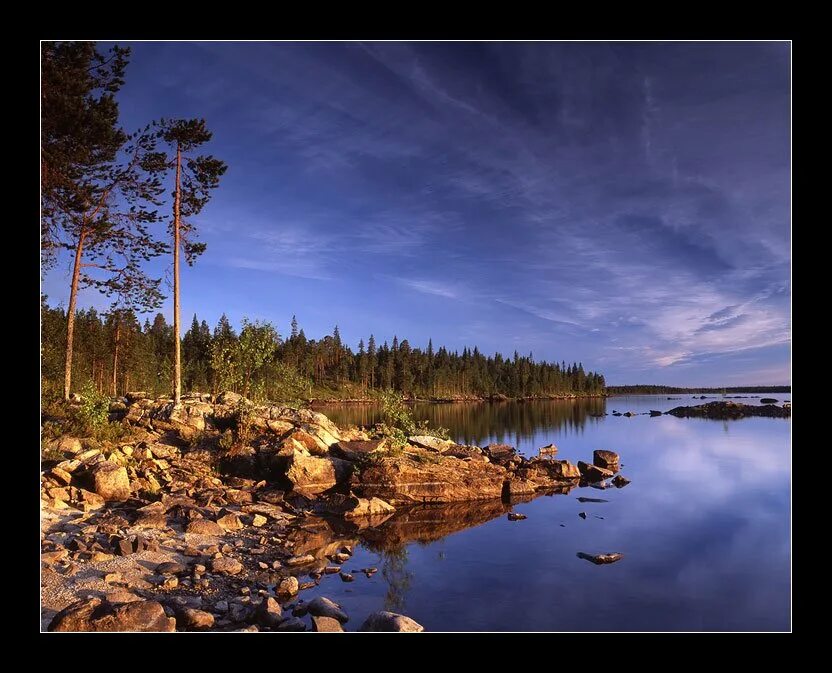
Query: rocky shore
[(219, 514)]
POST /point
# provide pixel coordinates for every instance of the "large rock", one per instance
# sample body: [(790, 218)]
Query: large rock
[(268, 613), (229, 398), (301, 440), (312, 475), (321, 606), (225, 565), (356, 450), (431, 443), (67, 445), (193, 619), (204, 527), (369, 507), (390, 621), (607, 459), (326, 624), (316, 424), (110, 481), (409, 479), (546, 472), (593, 473), (502, 454), (96, 615)]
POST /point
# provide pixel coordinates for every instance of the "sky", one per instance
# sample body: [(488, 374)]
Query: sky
[(625, 205)]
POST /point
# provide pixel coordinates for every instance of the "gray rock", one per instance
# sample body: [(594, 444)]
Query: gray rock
[(323, 607)]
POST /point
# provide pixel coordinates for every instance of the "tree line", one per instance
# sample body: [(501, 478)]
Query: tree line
[(114, 200), (644, 389), (116, 352)]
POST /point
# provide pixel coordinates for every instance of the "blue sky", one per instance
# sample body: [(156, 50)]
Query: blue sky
[(626, 205)]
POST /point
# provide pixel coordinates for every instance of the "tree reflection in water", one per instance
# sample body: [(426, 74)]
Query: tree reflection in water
[(394, 570), (477, 422)]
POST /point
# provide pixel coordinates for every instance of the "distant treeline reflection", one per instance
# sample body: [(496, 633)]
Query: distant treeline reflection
[(479, 422)]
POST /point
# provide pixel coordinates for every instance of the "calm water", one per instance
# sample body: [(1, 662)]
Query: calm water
[(704, 528)]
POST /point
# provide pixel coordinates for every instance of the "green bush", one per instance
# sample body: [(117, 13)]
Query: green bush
[(94, 409)]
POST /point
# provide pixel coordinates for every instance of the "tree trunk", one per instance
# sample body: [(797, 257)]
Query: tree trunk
[(70, 315), (115, 359), (177, 363)]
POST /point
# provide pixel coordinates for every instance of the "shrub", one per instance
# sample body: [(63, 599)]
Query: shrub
[(94, 409)]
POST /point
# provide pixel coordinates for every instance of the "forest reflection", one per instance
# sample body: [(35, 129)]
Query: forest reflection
[(482, 422)]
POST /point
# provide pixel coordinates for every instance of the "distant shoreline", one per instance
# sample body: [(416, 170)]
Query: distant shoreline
[(613, 391)]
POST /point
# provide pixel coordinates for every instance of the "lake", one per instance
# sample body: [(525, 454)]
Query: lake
[(704, 527)]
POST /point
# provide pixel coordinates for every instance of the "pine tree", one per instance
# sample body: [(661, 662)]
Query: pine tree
[(99, 184), (194, 178)]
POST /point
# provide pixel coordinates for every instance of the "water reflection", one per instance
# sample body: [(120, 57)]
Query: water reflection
[(704, 528), (480, 422)]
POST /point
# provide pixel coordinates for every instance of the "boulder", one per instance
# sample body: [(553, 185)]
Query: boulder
[(300, 439), (292, 624), (321, 606), (356, 450), (501, 453), (94, 614), (607, 459), (620, 481), (593, 473), (515, 487), (312, 475), (431, 443), (288, 586), (547, 450), (369, 507), (268, 613), (229, 398), (390, 621), (323, 624), (67, 445), (547, 472), (316, 424), (225, 565), (230, 522), (204, 527), (192, 619), (170, 568), (110, 481)]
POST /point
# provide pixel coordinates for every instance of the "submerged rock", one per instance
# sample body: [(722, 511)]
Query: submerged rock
[(516, 516), (620, 481)]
